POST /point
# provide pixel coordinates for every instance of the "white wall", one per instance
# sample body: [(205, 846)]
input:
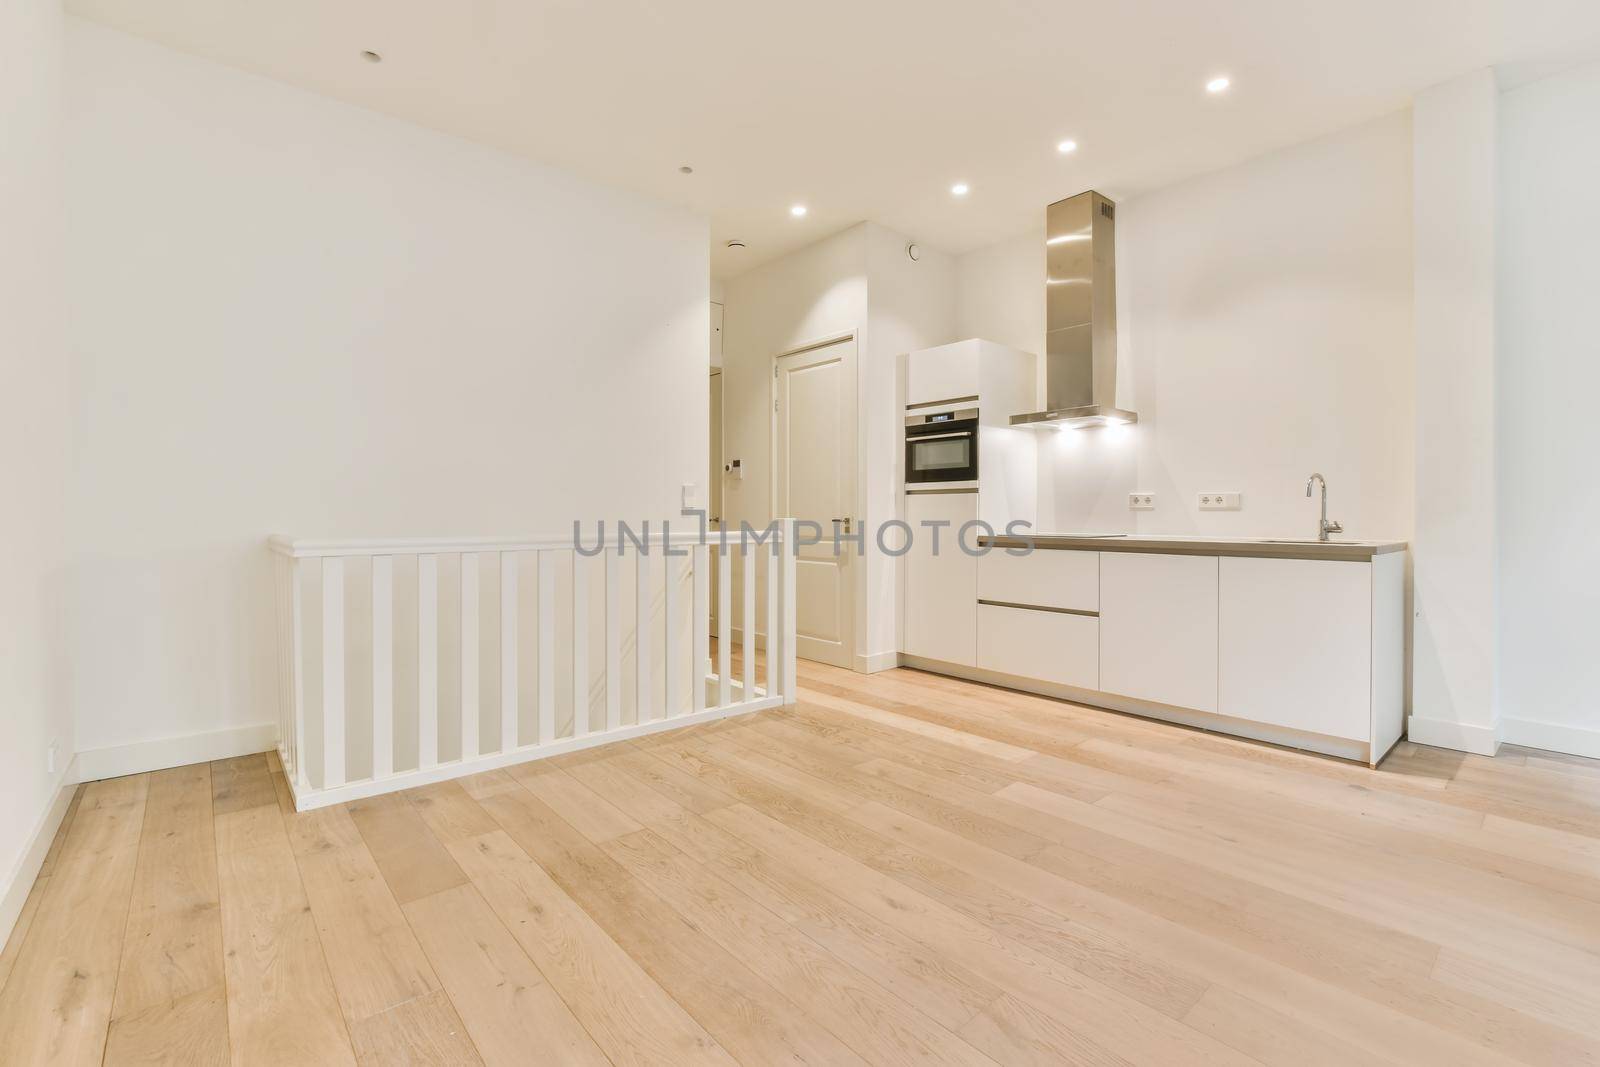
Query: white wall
[(1453, 543), (817, 292), (1268, 318), (291, 315), (1548, 511), (911, 305), (858, 280), (33, 442), (1264, 332)]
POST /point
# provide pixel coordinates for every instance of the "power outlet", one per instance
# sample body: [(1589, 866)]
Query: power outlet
[(50, 757), (1141, 501), (1219, 502)]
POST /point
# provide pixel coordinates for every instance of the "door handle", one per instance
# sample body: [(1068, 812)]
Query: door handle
[(844, 522)]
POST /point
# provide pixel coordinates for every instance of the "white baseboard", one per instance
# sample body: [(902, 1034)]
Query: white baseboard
[(118, 760), (1446, 733), (19, 881), (877, 661), (1552, 737)]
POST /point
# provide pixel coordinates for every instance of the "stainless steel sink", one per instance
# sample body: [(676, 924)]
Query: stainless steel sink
[(1299, 541)]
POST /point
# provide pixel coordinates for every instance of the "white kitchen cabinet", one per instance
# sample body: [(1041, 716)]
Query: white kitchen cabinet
[(1048, 578), (949, 372), (1158, 628), (941, 591), (1051, 646), (1295, 644)]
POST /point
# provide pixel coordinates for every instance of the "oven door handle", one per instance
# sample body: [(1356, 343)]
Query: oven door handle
[(938, 436)]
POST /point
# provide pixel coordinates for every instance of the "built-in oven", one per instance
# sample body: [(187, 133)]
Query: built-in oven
[(942, 446)]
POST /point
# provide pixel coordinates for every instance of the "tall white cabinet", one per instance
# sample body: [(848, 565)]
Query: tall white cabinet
[(940, 588), (939, 591)]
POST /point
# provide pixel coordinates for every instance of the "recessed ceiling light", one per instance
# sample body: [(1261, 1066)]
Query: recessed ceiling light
[(1218, 84), (735, 243), (686, 169), (798, 211), (1067, 146), (959, 189), (371, 57)]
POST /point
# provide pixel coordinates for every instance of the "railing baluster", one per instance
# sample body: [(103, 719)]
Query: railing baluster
[(427, 661), (613, 641), (332, 672), (298, 744), (547, 647), (470, 590), (724, 625), (508, 651), (748, 616), (669, 580), (701, 566), (787, 685), (641, 638), (772, 567), (382, 666), (580, 645)]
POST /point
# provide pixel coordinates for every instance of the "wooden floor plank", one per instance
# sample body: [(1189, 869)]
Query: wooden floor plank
[(375, 960), (281, 1002), (875, 1024), (240, 783), (629, 1016), (505, 1002), (173, 946), (412, 860), (56, 1008), (424, 1032), (754, 1021)]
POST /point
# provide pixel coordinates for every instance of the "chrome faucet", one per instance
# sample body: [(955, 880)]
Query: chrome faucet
[(1324, 527)]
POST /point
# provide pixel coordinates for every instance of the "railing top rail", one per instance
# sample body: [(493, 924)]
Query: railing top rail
[(302, 547)]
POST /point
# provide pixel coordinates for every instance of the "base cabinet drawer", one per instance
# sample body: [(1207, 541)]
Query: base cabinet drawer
[(1051, 646), (1048, 578)]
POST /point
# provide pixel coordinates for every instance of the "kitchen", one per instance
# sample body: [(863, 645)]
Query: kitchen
[(1254, 327), (1295, 641)]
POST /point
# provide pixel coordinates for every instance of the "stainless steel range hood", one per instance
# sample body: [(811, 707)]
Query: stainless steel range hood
[(1080, 366)]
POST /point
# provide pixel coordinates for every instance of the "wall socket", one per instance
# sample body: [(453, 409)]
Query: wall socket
[(1219, 502), (50, 756), (1141, 501)]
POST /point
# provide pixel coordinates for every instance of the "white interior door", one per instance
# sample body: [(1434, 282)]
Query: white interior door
[(815, 479)]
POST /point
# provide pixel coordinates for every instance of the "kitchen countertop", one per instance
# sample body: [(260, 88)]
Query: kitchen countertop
[(1178, 545)]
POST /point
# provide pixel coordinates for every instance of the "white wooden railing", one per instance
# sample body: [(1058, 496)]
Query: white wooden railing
[(383, 647)]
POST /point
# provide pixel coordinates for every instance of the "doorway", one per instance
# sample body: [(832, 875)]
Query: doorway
[(814, 479)]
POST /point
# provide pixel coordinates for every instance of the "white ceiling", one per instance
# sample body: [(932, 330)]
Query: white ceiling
[(871, 109)]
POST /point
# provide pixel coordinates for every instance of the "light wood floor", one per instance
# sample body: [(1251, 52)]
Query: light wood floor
[(903, 869)]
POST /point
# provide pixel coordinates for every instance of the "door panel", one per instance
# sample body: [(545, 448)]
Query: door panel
[(1296, 644), (1158, 628), (814, 469), (941, 592)]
